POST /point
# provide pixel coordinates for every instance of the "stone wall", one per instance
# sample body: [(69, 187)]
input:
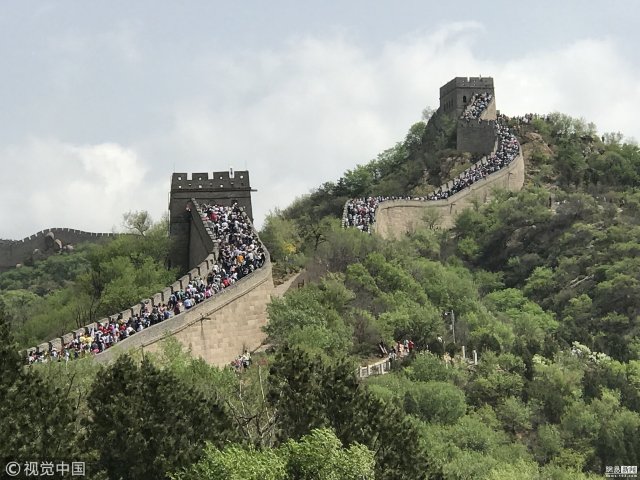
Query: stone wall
[(222, 188), (476, 137), (456, 94), (201, 241), (218, 329), (394, 218), (13, 252)]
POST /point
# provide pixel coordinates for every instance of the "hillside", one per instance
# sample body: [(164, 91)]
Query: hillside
[(542, 284)]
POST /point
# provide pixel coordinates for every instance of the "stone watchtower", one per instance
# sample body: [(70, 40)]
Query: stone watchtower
[(221, 188), (476, 136)]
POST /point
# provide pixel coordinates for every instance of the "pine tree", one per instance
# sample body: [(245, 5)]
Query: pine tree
[(146, 422)]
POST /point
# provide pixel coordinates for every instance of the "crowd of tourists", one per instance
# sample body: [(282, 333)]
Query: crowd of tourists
[(398, 350), (478, 104), (241, 362), (360, 213), (527, 118), (240, 253), (508, 148)]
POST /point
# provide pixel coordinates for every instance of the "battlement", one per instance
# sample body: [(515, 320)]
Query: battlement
[(218, 181), (457, 93), (485, 83), (221, 188), (71, 231), (44, 243)]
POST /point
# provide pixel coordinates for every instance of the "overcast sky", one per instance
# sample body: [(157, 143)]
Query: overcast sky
[(101, 101)]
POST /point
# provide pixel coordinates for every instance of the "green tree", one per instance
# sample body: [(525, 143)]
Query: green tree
[(435, 401), (138, 222), (497, 377), (236, 463), (556, 385), (318, 455), (515, 415), (282, 238), (309, 393), (313, 318), (38, 420), (145, 423)]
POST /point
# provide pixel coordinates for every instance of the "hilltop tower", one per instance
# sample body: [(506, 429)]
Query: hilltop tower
[(221, 188), (475, 136)]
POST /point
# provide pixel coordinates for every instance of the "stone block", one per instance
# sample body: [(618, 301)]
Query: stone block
[(166, 294), (126, 314), (194, 273), (157, 299), (57, 344), (176, 286)]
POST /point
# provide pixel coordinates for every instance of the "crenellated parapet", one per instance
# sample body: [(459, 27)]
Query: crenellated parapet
[(222, 188), (480, 130), (218, 329), (457, 94), (44, 243)]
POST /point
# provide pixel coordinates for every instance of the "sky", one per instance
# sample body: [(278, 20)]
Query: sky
[(102, 101)]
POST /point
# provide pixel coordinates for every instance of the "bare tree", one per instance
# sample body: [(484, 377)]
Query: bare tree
[(137, 222)]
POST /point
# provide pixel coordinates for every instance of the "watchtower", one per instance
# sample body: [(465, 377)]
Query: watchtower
[(478, 135), (456, 94), (221, 188)]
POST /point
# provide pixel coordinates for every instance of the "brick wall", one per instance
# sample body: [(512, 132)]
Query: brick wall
[(218, 329), (395, 218), (13, 252)]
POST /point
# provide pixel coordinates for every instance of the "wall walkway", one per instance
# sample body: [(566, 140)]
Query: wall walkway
[(394, 218), (217, 329)]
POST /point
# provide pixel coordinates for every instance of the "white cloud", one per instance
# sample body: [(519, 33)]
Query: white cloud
[(54, 184), (588, 78), (302, 115), (297, 116)]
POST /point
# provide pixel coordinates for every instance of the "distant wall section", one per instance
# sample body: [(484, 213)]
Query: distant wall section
[(44, 243), (395, 218)]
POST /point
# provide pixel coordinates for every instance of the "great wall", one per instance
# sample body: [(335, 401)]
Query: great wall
[(44, 243), (397, 217), (222, 327), (393, 217)]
